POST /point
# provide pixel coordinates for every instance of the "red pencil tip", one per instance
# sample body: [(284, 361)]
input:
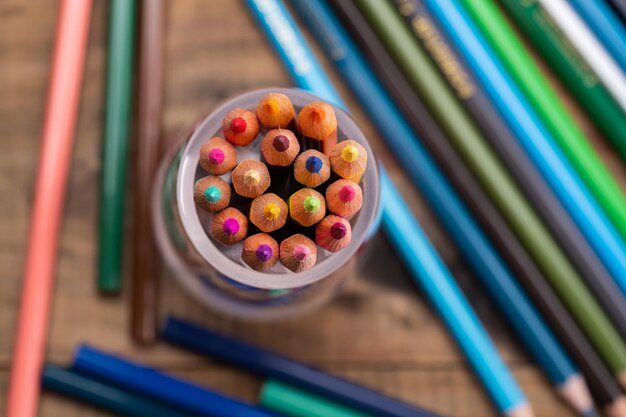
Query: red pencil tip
[(238, 125)]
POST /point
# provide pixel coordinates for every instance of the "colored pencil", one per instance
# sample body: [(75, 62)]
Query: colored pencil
[(437, 191), (589, 47), (217, 156), (311, 168), (348, 159), (229, 226), (318, 125), (267, 364), (298, 253), (250, 178), (275, 111), (503, 141), (279, 148), (53, 169), (572, 69), (260, 251), (497, 183), (620, 8), (145, 270), (344, 198), (240, 127), (606, 26), (151, 383), (306, 207), (117, 118), (298, 403), (478, 252), (333, 233), (549, 107), (268, 212), (520, 117), (211, 194), (106, 397)]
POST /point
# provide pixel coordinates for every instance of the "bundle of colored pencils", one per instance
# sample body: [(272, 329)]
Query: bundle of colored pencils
[(286, 195)]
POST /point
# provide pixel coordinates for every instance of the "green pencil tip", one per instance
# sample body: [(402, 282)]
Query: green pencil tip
[(311, 204)]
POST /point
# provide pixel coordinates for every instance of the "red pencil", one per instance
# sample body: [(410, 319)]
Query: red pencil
[(54, 160)]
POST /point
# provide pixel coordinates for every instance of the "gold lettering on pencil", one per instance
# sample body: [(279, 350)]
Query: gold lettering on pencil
[(443, 57)]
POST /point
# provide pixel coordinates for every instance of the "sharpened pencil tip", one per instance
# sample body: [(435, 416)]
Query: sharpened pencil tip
[(576, 393), (522, 410), (589, 413)]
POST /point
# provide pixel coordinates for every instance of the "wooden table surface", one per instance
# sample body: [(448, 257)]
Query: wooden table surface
[(380, 331)]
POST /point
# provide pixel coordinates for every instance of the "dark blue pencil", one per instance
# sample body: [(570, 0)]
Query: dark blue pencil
[(268, 364), (154, 384)]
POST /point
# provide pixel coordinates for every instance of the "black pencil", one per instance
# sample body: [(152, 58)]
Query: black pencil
[(503, 141), (603, 386), (620, 8)]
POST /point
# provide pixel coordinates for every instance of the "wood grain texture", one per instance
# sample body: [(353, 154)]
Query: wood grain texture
[(379, 331)]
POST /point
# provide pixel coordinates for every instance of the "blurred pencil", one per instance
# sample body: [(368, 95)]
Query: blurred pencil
[(530, 132), (117, 116), (504, 142), (546, 102), (620, 8), (149, 106), (103, 396), (572, 69), (54, 161), (606, 25), (501, 285)]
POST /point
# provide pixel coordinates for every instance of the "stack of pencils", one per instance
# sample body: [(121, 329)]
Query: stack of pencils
[(302, 192)]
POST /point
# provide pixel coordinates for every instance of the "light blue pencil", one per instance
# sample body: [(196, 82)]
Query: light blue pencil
[(606, 25), (411, 243), (534, 137)]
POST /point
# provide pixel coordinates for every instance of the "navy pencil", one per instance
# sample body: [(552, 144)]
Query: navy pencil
[(268, 364), (154, 384)]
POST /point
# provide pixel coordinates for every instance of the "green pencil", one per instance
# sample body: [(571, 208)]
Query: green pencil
[(494, 178), (294, 402), (115, 147), (558, 51), (553, 113)]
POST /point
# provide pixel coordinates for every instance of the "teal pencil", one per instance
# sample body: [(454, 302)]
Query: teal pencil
[(115, 147)]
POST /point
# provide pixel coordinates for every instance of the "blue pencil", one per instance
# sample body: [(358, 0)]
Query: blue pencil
[(424, 265), (478, 251), (271, 365), (534, 137), (97, 394), (606, 25), (153, 384)]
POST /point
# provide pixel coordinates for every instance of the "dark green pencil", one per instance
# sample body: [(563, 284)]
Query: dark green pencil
[(115, 147)]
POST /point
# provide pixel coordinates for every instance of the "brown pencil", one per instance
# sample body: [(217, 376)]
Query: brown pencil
[(217, 156), (298, 253), (268, 212), (348, 159), (311, 168), (275, 111), (307, 207), (250, 178), (344, 198), (229, 226), (145, 272), (212, 194), (240, 127), (333, 233), (260, 251), (318, 125)]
